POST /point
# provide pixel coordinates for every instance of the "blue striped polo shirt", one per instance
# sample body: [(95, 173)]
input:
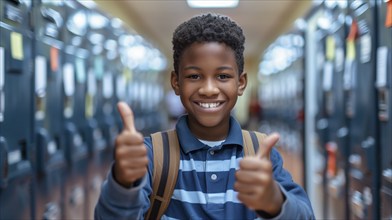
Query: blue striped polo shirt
[(205, 184)]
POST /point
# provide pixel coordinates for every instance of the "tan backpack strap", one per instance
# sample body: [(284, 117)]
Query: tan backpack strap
[(166, 150), (251, 141), (248, 145)]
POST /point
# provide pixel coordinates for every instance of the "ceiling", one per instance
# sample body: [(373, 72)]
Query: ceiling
[(262, 20)]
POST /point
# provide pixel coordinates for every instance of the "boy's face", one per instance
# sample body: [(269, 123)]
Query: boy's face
[(208, 84)]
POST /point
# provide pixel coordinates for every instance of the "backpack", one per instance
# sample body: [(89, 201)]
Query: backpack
[(166, 150)]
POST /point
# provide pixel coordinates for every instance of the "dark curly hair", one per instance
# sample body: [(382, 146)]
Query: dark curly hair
[(209, 28)]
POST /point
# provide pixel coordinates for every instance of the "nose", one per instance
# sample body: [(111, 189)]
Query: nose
[(209, 88)]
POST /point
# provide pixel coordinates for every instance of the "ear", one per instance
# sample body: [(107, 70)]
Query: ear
[(174, 82), (242, 82)]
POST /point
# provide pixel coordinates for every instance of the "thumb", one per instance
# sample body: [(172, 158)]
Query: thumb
[(267, 144), (126, 116)]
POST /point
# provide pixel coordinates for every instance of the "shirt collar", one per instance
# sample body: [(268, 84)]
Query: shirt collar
[(189, 142)]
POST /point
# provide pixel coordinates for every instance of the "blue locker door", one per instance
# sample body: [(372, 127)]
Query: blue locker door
[(50, 160), (74, 90), (16, 128), (384, 86), (363, 125), (322, 122), (336, 145)]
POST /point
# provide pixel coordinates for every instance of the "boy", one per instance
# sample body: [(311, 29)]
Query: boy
[(214, 180)]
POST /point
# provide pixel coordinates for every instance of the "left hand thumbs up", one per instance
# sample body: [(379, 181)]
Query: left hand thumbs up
[(265, 147), (255, 183)]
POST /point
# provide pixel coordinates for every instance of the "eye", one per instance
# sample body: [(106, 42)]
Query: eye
[(193, 76), (224, 76)]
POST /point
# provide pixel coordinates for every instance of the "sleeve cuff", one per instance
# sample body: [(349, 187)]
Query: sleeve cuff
[(281, 215), (120, 195), (292, 208)]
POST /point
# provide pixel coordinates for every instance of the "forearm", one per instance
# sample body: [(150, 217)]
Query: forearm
[(293, 207), (296, 204), (117, 202)]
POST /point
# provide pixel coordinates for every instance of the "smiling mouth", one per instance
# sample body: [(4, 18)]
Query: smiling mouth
[(209, 105)]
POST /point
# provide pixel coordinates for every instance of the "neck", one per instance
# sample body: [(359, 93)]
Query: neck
[(215, 133)]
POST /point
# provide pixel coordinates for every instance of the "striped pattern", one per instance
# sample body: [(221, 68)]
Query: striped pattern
[(205, 182), (209, 166), (204, 190)]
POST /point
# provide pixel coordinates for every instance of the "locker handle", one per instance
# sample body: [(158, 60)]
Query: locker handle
[(387, 175), (2, 105), (3, 162), (357, 205), (52, 211), (342, 132), (42, 142), (355, 160), (368, 143), (76, 148), (52, 16), (16, 2), (77, 196)]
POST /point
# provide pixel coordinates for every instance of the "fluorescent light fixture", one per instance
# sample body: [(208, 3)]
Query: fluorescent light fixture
[(212, 4), (88, 3)]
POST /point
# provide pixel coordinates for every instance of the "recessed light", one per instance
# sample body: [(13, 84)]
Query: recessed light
[(212, 4)]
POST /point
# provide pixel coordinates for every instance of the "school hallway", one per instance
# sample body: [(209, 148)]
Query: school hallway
[(318, 72)]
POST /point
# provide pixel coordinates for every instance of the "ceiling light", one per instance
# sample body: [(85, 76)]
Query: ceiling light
[(88, 3), (212, 4)]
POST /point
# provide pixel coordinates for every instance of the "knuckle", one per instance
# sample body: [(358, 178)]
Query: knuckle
[(237, 174), (117, 142), (143, 150), (119, 152), (145, 161), (236, 186), (121, 138), (121, 164), (138, 137), (241, 163), (258, 191)]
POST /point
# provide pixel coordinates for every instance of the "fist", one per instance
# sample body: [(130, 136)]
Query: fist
[(255, 184), (130, 155)]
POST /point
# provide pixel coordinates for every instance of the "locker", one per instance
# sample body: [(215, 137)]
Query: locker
[(113, 69), (336, 145), (94, 114), (384, 102), (282, 72), (16, 124), (120, 86), (48, 21), (74, 90), (94, 90), (321, 118), (363, 164)]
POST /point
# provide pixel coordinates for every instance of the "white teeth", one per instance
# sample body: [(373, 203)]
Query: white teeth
[(209, 105)]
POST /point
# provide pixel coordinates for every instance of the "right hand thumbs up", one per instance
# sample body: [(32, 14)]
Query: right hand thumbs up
[(130, 155)]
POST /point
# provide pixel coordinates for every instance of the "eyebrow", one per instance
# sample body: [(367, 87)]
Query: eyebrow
[(225, 68), (192, 67), (219, 68)]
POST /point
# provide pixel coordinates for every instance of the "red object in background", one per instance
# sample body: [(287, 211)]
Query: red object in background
[(332, 159), (254, 108), (388, 16)]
